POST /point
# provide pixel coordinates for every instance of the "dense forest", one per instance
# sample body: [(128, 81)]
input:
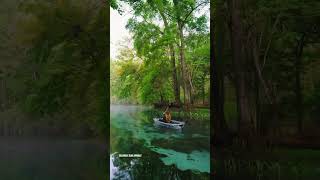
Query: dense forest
[(53, 69), (265, 82), (169, 62)]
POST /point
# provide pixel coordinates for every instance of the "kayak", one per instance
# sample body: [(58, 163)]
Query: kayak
[(173, 124)]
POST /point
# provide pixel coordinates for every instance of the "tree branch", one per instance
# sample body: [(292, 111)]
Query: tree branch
[(269, 43), (192, 10)]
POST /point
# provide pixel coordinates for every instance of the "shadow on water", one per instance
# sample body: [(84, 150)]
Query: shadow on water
[(166, 153), (51, 159)]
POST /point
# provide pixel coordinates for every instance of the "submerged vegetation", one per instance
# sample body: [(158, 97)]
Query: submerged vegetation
[(165, 152), (54, 67)]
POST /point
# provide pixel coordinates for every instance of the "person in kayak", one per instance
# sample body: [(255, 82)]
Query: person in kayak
[(167, 116)]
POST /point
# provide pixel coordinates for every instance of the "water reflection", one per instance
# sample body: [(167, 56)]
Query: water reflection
[(51, 159), (165, 153)]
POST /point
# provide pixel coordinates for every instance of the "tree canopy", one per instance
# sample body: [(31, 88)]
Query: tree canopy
[(171, 43), (61, 74)]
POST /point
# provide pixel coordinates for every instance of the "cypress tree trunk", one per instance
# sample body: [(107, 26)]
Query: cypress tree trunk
[(298, 88), (245, 124), (183, 64), (181, 45), (220, 129), (176, 88), (175, 77), (217, 86)]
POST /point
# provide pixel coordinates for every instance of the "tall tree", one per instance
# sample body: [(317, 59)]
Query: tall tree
[(220, 128), (176, 88), (240, 68)]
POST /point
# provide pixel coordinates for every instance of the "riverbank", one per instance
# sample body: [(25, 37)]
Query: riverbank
[(278, 164), (14, 122)]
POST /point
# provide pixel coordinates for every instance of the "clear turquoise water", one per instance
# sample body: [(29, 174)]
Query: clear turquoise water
[(166, 153)]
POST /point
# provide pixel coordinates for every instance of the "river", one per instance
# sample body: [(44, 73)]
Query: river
[(165, 153), (52, 159)]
